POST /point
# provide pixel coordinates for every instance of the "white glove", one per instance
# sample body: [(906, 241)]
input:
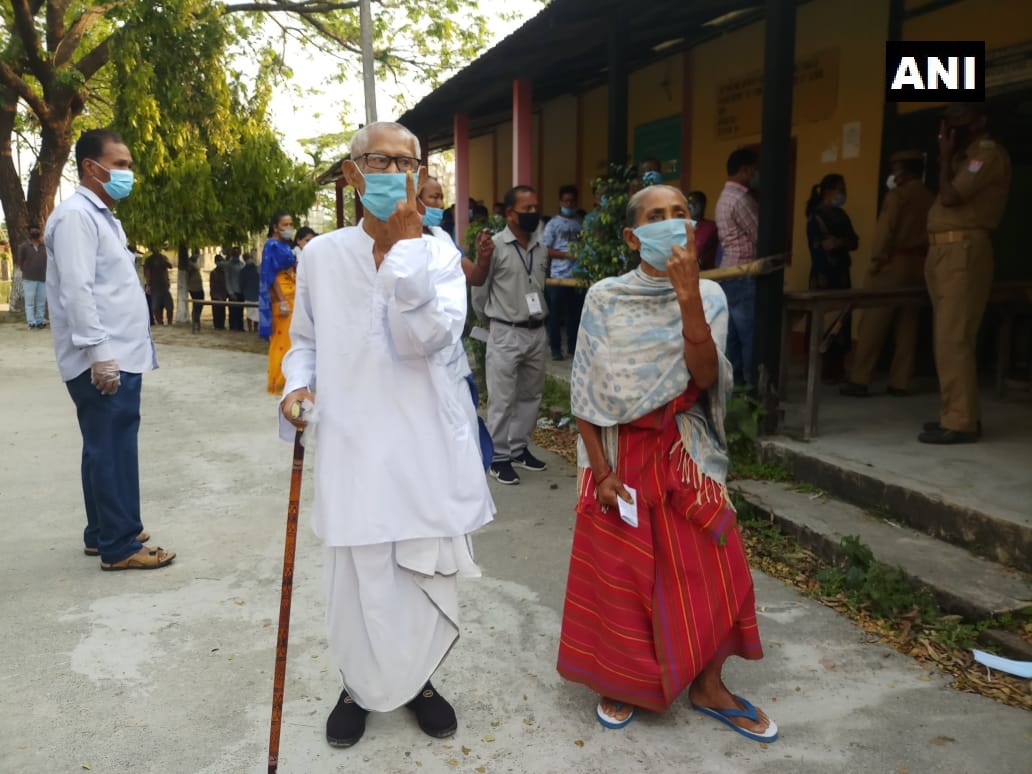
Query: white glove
[(105, 376), (284, 309)]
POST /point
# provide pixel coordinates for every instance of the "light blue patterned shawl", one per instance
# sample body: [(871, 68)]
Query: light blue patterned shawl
[(630, 361)]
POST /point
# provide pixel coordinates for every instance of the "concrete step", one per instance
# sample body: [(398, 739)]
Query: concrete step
[(961, 582), (922, 508)]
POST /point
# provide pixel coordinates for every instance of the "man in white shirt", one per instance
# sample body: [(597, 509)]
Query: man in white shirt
[(101, 327), (376, 332)]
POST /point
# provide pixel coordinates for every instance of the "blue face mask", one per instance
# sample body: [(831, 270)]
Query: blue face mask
[(383, 191), (652, 178), (568, 212), (120, 185), (658, 240), (433, 216)]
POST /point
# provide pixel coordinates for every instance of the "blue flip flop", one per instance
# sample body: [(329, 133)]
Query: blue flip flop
[(749, 713), (608, 720)]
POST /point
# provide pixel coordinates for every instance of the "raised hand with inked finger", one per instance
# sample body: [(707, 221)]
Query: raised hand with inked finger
[(406, 222), (683, 268)]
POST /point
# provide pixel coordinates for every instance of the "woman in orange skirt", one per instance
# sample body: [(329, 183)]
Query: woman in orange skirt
[(659, 591), (276, 295)]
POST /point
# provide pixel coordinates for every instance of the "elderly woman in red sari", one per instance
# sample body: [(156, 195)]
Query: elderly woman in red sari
[(659, 591)]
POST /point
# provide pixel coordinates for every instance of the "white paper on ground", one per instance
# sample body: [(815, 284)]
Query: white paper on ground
[(480, 334), (1008, 665), (629, 510)]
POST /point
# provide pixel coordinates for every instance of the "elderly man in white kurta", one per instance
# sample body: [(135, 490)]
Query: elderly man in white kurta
[(376, 335)]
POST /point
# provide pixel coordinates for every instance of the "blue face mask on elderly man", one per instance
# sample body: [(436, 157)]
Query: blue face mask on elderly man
[(383, 191)]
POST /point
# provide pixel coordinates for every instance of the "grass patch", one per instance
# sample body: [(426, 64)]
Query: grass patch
[(884, 602)]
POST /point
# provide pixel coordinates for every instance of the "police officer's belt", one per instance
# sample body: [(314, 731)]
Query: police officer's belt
[(963, 235)]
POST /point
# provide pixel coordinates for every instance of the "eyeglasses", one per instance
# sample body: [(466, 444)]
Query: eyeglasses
[(383, 161)]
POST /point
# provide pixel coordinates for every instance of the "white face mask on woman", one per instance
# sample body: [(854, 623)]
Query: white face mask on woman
[(890, 182)]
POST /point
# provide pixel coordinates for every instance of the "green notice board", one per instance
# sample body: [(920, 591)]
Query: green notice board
[(660, 139)]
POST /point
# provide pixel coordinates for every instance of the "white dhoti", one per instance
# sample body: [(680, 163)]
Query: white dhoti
[(392, 614)]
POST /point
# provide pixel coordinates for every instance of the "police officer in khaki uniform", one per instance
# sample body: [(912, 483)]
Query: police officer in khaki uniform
[(900, 247), (974, 180)]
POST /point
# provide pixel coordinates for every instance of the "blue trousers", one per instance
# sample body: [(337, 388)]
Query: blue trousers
[(110, 425), (35, 301), (741, 307)]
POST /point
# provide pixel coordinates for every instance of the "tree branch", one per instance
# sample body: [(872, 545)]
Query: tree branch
[(25, 29), (96, 58), (55, 21), (321, 28), (14, 82), (283, 6), (66, 46)]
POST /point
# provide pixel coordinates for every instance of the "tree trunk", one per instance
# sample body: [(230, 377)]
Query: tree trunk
[(45, 178), (12, 196), (182, 312)]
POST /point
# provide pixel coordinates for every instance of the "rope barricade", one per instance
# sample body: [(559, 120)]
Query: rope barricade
[(766, 265)]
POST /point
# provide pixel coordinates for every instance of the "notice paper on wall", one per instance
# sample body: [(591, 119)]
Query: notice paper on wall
[(851, 140)]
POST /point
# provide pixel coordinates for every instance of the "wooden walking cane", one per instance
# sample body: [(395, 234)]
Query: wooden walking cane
[(285, 593)]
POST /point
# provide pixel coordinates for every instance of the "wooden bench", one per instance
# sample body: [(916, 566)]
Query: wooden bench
[(1009, 298)]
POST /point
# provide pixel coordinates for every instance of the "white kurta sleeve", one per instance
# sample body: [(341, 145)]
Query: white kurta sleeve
[(426, 297), (299, 363)]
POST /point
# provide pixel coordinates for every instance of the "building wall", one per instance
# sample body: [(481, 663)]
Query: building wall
[(1000, 23), (594, 133), (835, 129), (558, 121), (857, 31), (481, 162)]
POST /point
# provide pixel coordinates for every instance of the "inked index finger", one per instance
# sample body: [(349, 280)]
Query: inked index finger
[(410, 187)]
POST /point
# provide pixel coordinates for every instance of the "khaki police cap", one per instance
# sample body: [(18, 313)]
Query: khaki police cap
[(906, 155), (964, 110)]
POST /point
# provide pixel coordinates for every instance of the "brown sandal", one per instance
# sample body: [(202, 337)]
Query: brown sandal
[(145, 559), (143, 537)]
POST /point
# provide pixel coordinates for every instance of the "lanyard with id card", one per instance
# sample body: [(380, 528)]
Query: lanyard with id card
[(533, 298)]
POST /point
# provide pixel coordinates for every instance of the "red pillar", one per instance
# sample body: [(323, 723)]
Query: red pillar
[(522, 132), (461, 132)]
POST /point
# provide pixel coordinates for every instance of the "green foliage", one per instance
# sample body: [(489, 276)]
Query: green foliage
[(210, 168), (600, 250), (167, 91), (494, 223), (883, 591), (742, 425), (556, 394)]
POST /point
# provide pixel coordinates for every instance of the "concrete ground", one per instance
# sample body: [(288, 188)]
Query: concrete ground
[(171, 671), (879, 435)]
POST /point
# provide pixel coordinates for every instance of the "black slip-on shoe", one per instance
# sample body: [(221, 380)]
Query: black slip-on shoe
[(944, 437), (854, 390), (932, 427), (346, 722), (434, 714)]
